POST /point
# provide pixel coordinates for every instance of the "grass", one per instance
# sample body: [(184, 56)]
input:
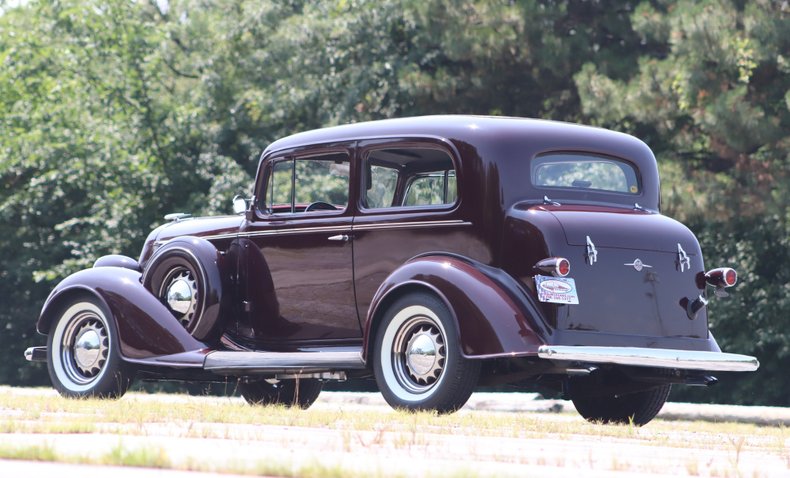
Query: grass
[(226, 435)]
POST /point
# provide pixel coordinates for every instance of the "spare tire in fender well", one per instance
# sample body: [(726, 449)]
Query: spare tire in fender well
[(188, 270)]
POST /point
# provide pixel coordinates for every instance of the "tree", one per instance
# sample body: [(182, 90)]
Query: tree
[(711, 97), (115, 113), (97, 143)]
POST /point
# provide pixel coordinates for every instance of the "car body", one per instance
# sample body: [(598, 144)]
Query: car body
[(434, 253)]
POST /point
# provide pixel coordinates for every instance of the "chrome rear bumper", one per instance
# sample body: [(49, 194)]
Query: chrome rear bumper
[(644, 357)]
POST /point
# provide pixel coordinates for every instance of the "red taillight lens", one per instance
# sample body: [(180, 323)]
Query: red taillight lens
[(722, 277), (556, 266), (730, 277), (563, 267)]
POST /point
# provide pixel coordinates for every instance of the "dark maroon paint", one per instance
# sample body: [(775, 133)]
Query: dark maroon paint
[(280, 286), (146, 328)]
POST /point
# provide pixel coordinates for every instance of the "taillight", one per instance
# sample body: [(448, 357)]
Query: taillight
[(722, 277), (556, 266), (563, 267)]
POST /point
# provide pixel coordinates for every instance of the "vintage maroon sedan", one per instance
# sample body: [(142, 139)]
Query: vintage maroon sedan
[(435, 254)]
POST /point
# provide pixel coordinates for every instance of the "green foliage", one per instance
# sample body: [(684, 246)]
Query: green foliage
[(754, 318), (709, 101), (113, 113), (710, 96)]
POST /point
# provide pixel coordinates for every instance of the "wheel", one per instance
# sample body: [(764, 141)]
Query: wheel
[(417, 359), (320, 206), (189, 286), (83, 359), (299, 393), (637, 407), (179, 287)]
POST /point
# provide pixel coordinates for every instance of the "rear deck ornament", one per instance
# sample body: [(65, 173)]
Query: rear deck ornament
[(638, 265), (683, 259), (592, 253)]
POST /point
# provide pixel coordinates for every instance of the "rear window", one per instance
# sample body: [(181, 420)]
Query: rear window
[(585, 171)]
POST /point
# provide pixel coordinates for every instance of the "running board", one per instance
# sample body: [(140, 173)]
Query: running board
[(242, 362)]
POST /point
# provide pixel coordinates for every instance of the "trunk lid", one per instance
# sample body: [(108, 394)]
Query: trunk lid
[(623, 229), (631, 277)]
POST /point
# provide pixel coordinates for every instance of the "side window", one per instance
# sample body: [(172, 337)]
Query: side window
[(310, 184), (409, 177), (382, 183), (431, 189), (280, 187)]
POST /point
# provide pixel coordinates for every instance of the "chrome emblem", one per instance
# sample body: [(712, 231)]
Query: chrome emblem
[(683, 259), (592, 253), (638, 265)]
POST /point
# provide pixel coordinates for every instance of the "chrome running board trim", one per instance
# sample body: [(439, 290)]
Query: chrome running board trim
[(645, 357), (223, 361)]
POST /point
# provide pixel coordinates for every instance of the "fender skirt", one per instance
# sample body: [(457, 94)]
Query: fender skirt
[(494, 319), (147, 331)]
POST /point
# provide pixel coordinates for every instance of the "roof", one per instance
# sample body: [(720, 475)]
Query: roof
[(466, 128), (503, 144)]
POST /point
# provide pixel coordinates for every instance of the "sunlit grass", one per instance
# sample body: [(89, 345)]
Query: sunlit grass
[(199, 416), (353, 431)]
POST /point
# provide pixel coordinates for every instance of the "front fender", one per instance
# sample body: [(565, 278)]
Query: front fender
[(147, 331), (491, 322)]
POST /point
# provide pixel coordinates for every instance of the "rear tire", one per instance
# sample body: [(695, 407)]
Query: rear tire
[(83, 359), (417, 359), (637, 408), (291, 393)]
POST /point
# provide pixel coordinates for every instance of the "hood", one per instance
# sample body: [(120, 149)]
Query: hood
[(200, 226)]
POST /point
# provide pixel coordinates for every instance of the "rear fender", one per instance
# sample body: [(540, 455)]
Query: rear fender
[(491, 323), (147, 331)]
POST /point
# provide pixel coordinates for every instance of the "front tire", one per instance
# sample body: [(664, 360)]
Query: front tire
[(291, 393), (83, 359), (417, 358)]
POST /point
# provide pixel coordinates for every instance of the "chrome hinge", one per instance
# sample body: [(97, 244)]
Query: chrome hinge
[(683, 259), (592, 252)]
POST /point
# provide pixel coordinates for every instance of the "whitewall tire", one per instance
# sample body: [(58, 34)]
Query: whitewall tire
[(417, 359), (83, 359)]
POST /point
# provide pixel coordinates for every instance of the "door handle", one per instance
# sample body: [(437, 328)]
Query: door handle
[(340, 237)]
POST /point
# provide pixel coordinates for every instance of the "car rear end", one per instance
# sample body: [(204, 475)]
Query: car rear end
[(623, 290)]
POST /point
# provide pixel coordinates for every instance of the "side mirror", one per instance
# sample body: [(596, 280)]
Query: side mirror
[(240, 204)]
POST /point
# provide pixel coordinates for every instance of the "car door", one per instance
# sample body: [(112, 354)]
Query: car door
[(296, 253), (409, 205)]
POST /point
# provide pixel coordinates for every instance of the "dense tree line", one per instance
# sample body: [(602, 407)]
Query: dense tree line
[(113, 113)]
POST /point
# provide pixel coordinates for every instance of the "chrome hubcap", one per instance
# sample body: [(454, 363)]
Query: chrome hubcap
[(420, 354), (85, 348), (180, 293)]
